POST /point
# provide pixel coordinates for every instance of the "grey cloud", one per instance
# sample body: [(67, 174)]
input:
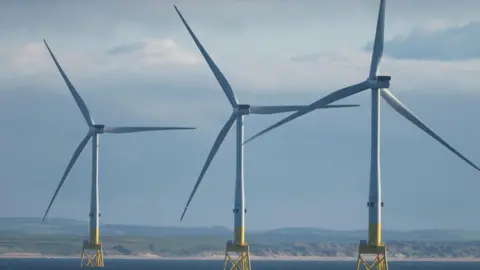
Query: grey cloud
[(28, 19), (456, 43), (24, 19)]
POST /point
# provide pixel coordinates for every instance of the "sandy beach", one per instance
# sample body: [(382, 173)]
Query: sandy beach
[(148, 256)]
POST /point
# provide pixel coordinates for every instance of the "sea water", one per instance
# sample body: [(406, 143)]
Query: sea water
[(131, 264)]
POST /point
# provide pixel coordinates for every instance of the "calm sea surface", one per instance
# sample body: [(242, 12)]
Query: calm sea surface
[(66, 264)]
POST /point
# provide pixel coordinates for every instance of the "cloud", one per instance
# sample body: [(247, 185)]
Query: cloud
[(151, 53), (163, 61), (254, 53), (158, 52), (168, 52), (32, 61), (449, 44), (26, 60), (327, 72), (148, 56), (126, 48)]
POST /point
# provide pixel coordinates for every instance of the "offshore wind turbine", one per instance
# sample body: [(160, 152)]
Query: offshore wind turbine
[(238, 245), (92, 249), (379, 85)]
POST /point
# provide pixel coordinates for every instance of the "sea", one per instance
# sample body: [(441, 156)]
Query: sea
[(132, 264)]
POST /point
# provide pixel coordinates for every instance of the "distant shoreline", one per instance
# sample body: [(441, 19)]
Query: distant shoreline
[(221, 257)]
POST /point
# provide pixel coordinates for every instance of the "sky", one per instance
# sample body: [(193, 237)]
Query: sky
[(136, 65)]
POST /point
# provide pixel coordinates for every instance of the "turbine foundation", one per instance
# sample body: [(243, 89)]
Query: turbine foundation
[(237, 257), (92, 255), (379, 254)]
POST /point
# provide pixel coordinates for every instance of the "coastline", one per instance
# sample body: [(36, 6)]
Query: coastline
[(221, 257)]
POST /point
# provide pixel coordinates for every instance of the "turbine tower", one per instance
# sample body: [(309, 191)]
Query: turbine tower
[(238, 246), (92, 248), (379, 85)]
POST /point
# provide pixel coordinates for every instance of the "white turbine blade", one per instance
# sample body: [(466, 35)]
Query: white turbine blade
[(405, 112), (76, 96), (140, 129), (378, 42), (74, 158), (216, 71), (330, 98), (221, 136), (292, 108)]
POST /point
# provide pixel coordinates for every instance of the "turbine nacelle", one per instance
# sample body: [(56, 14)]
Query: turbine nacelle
[(243, 109), (98, 128), (380, 82)]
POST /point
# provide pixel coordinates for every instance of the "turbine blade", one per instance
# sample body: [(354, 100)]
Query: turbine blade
[(378, 42), (74, 158), (140, 129), (76, 96), (216, 71), (405, 112), (221, 136), (291, 108), (330, 98)]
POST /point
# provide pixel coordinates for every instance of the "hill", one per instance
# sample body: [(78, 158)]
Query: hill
[(65, 237)]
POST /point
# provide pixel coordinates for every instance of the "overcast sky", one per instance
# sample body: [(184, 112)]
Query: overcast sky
[(134, 63)]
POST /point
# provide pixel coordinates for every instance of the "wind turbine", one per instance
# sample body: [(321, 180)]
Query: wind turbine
[(94, 130), (238, 245), (379, 85)]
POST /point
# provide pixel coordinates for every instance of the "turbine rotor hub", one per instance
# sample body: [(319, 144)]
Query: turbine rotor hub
[(382, 81), (98, 128), (243, 109)]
